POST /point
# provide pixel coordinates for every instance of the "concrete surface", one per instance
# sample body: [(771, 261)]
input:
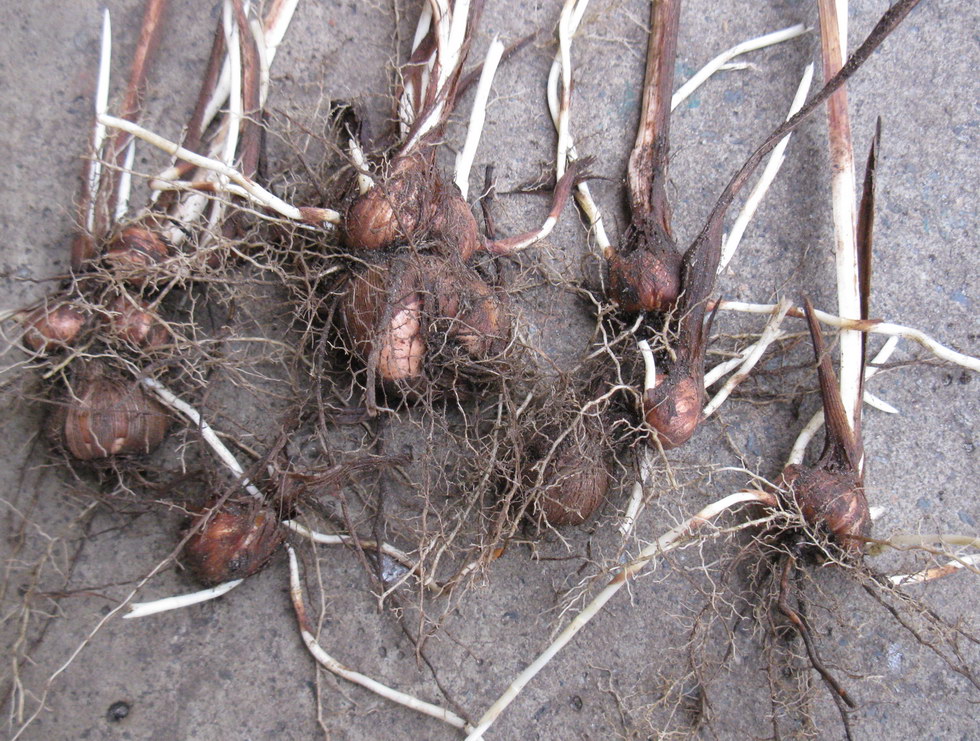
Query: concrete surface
[(236, 668)]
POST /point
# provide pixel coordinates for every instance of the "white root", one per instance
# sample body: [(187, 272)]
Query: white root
[(884, 328), (323, 216), (809, 431), (880, 404), (464, 160), (671, 540), (769, 173), (719, 62), (200, 186), (561, 68), (811, 428), (906, 541), (389, 550), (125, 181), (726, 366), (937, 572), (189, 412), (720, 370), (142, 609), (649, 365), (769, 335), (334, 666), (534, 237), (364, 181), (636, 494)]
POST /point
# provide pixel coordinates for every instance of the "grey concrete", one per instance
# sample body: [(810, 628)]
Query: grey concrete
[(237, 669)]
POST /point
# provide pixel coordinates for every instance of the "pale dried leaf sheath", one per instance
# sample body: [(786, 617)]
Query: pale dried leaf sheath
[(647, 169), (101, 185), (90, 182), (833, 44), (711, 232)]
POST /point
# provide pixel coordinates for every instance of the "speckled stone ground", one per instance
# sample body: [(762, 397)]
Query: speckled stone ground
[(236, 668)]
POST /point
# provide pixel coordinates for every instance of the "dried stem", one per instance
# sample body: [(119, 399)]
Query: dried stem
[(561, 69), (559, 106), (99, 202), (647, 170), (813, 426), (703, 256), (116, 146), (816, 421), (217, 77), (451, 39)]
